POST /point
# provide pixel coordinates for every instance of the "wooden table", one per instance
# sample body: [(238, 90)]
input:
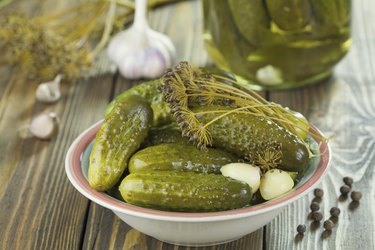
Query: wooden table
[(40, 209)]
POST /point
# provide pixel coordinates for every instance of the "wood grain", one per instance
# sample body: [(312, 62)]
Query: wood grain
[(39, 208), (345, 107)]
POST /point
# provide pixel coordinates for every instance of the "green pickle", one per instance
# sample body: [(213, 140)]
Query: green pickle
[(251, 11), (120, 135), (333, 12), (184, 191), (244, 134), (276, 44), (289, 14), (160, 136), (179, 157), (149, 91)]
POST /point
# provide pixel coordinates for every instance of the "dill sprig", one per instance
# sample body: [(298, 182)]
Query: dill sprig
[(187, 86), (39, 52)]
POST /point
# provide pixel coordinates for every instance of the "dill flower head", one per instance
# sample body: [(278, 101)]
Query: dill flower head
[(38, 51)]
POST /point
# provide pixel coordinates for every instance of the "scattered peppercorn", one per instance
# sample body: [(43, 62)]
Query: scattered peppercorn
[(314, 206), (301, 229), (356, 195), (328, 224), (348, 181), (335, 211), (318, 192), (316, 216), (344, 189)]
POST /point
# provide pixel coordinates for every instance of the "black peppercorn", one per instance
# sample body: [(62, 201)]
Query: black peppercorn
[(318, 192), (328, 224), (348, 181), (316, 216), (356, 196), (301, 229), (345, 189), (335, 211), (314, 206)]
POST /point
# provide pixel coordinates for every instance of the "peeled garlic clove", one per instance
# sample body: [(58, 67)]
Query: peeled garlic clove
[(49, 92), (44, 126), (275, 183), (243, 172)]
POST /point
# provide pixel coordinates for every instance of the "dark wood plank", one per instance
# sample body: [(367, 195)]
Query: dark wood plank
[(104, 229), (39, 208), (344, 107)]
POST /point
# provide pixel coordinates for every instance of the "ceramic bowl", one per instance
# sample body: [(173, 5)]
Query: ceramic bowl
[(193, 229)]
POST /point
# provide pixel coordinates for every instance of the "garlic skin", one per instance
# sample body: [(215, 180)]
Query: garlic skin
[(49, 92), (140, 52), (44, 126)]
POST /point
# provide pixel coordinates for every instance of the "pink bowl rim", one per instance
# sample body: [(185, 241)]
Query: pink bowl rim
[(74, 172)]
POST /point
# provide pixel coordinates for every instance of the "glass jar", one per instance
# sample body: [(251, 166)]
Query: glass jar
[(274, 44)]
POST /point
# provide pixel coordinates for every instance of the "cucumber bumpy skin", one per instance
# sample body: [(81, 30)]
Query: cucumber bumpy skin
[(179, 157), (244, 133), (120, 135), (184, 191), (149, 91), (157, 136)]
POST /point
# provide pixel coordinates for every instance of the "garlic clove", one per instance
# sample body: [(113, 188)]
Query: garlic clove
[(243, 172), (44, 126), (49, 92), (275, 183)]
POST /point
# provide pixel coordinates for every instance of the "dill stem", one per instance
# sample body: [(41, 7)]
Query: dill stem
[(224, 88), (259, 97), (70, 10), (86, 29), (110, 17)]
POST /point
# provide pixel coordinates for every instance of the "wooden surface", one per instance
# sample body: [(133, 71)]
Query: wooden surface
[(40, 209)]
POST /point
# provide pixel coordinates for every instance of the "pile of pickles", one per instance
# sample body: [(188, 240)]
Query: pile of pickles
[(140, 157), (273, 44)]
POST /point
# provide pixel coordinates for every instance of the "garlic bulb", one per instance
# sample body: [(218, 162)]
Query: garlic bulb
[(44, 126), (49, 92), (140, 52)]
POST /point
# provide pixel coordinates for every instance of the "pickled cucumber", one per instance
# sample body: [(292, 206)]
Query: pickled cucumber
[(184, 191), (252, 20), (289, 14), (333, 12), (179, 157), (160, 136), (120, 135), (149, 91), (224, 37), (247, 135)]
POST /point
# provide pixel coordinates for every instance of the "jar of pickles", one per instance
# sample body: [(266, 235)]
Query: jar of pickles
[(277, 44)]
